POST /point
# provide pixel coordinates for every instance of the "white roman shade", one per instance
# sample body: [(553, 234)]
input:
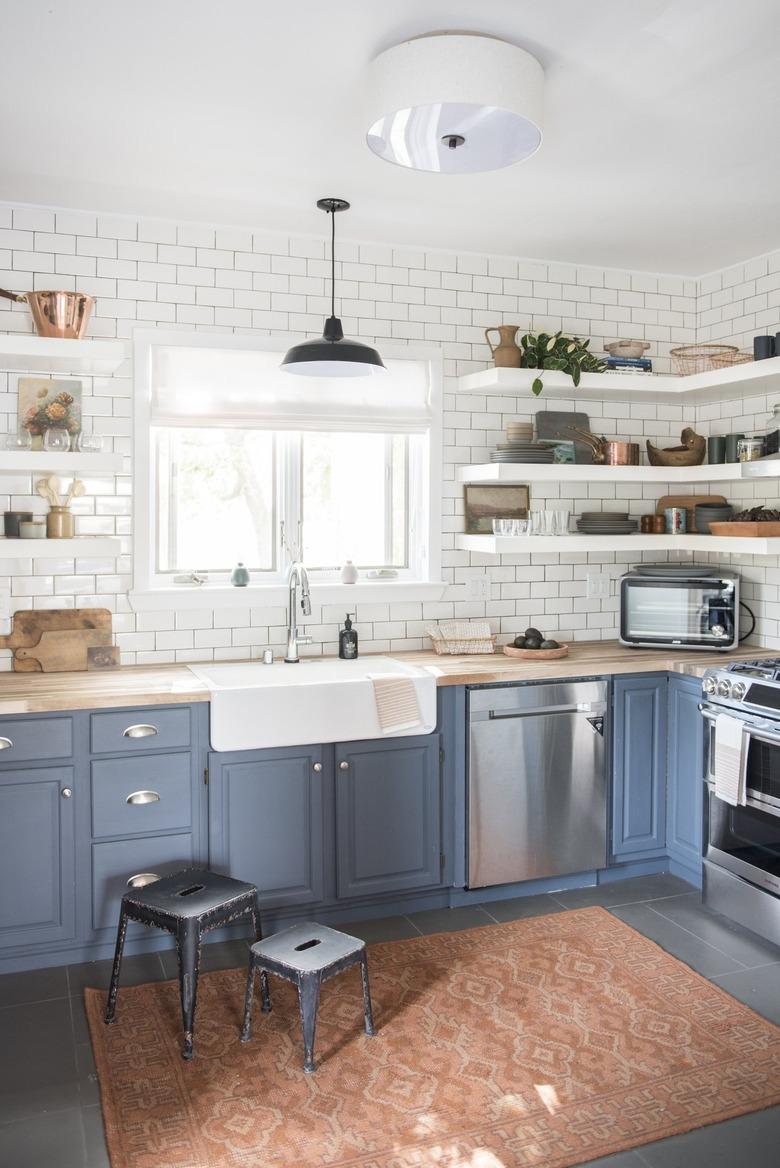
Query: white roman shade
[(205, 386)]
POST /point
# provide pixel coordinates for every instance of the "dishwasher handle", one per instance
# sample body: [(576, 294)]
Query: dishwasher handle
[(591, 709)]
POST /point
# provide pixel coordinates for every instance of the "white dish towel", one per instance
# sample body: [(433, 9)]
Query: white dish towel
[(730, 758), (397, 706)]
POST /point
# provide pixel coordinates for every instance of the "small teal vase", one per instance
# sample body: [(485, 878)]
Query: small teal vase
[(239, 577)]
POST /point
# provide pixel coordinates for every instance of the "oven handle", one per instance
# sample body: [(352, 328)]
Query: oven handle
[(710, 713)]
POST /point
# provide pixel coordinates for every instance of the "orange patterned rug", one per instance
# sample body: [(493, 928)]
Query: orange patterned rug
[(544, 1042)]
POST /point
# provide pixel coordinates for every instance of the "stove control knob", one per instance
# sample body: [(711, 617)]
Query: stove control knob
[(738, 690), (724, 688), (709, 685)]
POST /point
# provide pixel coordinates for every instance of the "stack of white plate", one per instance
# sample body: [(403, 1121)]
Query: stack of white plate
[(522, 452), (606, 523)]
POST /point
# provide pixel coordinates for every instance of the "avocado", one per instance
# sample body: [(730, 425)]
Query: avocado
[(532, 632), (550, 645), (519, 642), (533, 643)]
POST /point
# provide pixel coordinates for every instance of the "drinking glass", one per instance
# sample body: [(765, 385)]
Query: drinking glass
[(89, 442), (20, 439), (502, 527), (56, 438), (561, 522)]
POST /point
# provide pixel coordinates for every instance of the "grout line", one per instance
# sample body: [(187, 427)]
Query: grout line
[(701, 940), (36, 1002), (414, 926), (750, 969)]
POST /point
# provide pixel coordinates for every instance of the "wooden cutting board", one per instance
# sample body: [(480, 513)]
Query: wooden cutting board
[(31, 624), (688, 502), (65, 650)]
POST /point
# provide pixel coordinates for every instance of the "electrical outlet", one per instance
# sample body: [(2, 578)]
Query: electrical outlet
[(479, 588), (598, 585)]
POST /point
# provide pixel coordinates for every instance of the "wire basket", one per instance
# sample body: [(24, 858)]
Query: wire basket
[(689, 359), (726, 360), (453, 636)]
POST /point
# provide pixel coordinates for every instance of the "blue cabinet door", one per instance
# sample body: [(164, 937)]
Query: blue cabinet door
[(685, 774), (266, 822), (37, 856), (639, 766), (388, 816)]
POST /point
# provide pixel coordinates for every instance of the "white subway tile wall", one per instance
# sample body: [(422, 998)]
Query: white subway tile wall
[(185, 275)]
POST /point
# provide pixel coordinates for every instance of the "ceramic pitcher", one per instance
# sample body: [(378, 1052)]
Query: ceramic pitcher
[(507, 353)]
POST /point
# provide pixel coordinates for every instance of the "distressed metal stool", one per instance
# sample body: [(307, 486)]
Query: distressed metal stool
[(307, 955), (187, 904)]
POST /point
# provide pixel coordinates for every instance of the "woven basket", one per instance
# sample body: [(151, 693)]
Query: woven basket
[(699, 358), (726, 360), (453, 636)]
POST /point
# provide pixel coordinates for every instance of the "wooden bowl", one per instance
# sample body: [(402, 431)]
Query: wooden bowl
[(537, 654)]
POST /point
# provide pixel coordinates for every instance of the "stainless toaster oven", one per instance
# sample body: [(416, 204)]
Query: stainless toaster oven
[(693, 608)]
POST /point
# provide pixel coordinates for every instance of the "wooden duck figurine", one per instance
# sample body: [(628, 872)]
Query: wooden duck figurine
[(691, 453)]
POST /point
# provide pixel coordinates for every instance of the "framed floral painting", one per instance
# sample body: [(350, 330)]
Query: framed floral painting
[(46, 403)]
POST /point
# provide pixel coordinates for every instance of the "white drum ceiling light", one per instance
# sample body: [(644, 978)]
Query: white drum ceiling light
[(456, 103)]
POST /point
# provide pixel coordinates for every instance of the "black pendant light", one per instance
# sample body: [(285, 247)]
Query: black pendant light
[(331, 355)]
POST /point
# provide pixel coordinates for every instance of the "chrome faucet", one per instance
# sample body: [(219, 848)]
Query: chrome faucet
[(297, 576)]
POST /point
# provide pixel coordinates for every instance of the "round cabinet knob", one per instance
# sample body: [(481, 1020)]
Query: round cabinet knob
[(317, 767), (66, 792), (344, 766)]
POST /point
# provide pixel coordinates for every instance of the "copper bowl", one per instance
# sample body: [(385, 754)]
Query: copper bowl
[(57, 314)]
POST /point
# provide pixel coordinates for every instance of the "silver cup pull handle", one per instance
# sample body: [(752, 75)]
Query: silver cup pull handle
[(6, 743), (138, 797), (142, 730), (141, 879)]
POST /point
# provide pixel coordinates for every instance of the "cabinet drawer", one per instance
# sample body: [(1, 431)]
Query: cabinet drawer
[(136, 796), (139, 730), (113, 864), (34, 739)]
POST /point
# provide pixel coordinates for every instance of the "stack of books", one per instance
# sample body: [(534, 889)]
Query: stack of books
[(628, 364)]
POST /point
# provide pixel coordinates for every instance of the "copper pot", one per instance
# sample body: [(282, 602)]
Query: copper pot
[(56, 314), (609, 450)]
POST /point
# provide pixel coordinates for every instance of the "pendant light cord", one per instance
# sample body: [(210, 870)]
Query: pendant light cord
[(332, 263)]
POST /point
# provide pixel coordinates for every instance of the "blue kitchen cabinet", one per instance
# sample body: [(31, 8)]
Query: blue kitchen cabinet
[(685, 776), (388, 816), (639, 766), (37, 855), (267, 821)]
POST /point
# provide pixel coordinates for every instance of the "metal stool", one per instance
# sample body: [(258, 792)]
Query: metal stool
[(307, 955), (187, 904)]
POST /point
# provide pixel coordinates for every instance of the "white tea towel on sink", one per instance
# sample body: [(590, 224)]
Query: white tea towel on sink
[(730, 758), (397, 706)]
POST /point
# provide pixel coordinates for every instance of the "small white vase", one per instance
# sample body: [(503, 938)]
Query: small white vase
[(349, 573)]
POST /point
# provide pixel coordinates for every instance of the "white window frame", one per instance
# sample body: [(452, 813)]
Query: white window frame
[(421, 581)]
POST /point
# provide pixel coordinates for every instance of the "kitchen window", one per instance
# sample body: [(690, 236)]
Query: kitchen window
[(238, 461)]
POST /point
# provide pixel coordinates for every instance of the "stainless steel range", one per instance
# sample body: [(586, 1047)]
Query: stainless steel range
[(742, 842)]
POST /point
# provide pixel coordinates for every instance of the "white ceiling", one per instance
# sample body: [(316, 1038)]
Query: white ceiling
[(661, 147)]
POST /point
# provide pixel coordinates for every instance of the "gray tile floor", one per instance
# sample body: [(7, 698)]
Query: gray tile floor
[(49, 1105)]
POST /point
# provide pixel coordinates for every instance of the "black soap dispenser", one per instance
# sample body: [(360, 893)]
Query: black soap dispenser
[(348, 640)]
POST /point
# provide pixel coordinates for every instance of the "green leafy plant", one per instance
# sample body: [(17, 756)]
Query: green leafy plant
[(566, 354)]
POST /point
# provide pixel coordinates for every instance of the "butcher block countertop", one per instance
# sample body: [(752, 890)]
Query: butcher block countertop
[(162, 685)]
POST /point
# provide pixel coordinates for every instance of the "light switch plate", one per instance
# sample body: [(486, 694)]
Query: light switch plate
[(479, 588), (598, 585)]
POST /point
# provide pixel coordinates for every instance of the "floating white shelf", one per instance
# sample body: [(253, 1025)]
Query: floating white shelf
[(60, 462), (755, 377), (26, 353), (497, 545), (37, 549), (572, 472)]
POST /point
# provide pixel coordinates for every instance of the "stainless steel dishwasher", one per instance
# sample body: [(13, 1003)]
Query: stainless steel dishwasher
[(537, 781)]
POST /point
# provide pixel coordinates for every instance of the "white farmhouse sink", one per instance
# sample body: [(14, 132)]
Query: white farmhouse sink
[(255, 705)]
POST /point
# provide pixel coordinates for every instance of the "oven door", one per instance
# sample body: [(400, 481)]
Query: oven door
[(697, 613), (746, 840)]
